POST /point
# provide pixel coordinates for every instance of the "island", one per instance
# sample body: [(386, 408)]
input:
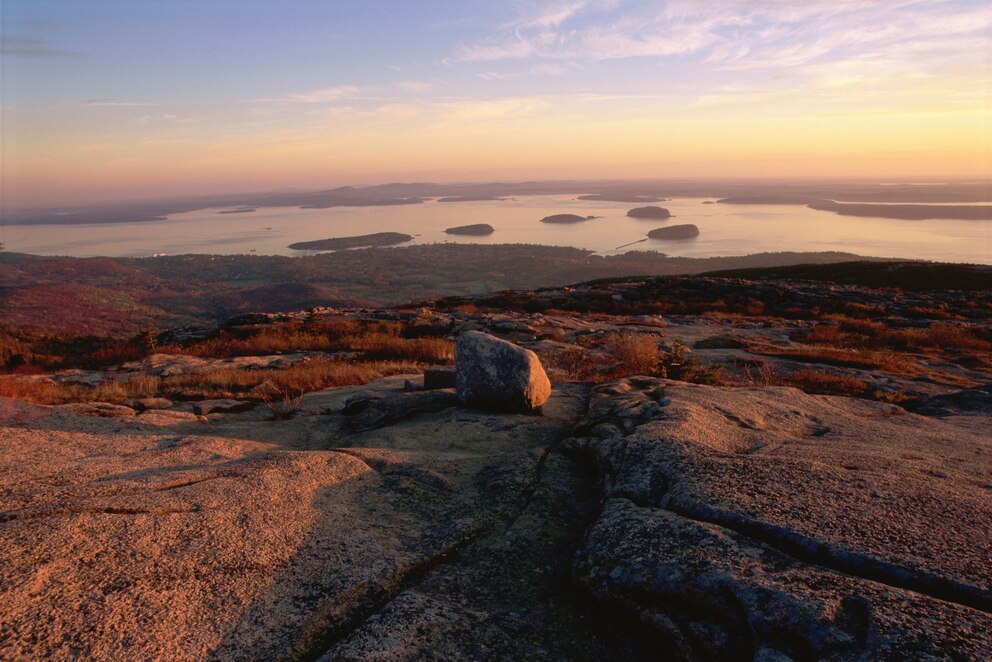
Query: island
[(567, 218), (239, 210), (474, 198), (684, 231), (478, 229), (649, 212), (362, 241), (767, 200), (620, 197)]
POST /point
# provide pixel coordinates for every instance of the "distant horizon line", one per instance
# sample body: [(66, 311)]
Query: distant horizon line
[(714, 181)]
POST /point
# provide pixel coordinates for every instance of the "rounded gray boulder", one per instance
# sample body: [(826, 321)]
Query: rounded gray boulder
[(491, 373)]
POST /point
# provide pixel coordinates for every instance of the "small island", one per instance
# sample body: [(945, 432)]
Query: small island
[(473, 198), (649, 212), (478, 229), (620, 197), (363, 241), (767, 200), (567, 218), (239, 210), (685, 231)]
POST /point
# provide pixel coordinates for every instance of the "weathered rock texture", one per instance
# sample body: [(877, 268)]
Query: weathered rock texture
[(125, 539), (640, 519), (492, 373), (743, 523)]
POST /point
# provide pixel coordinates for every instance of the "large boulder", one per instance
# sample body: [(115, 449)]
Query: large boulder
[(491, 373)]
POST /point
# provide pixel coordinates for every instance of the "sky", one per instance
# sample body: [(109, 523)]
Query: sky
[(127, 99)]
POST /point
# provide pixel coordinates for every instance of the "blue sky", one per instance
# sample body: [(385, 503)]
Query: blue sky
[(106, 98)]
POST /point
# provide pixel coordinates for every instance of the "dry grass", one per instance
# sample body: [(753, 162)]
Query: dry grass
[(866, 334), (242, 384), (377, 349), (867, 359), (375, 340), (818, 382), (267, 341), (389, 346), (860, 343), (53, 393), (824, 383)]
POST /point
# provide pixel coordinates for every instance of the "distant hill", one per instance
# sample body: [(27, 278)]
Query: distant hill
[(910, 276), (122, 295)]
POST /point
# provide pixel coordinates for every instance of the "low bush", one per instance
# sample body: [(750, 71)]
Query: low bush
[(682, 365), (565, 364), (871, 335), (632, 354)]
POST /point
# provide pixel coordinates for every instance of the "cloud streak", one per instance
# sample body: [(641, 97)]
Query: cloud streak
[(34, 48), (324, 95), (114, 103)]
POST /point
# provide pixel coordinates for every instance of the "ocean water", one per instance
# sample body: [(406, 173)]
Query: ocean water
[(724, 230)]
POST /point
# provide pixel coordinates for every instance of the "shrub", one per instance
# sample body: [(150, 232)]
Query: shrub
[(568, 363), (282, 401), (682, 365), (632, 354), (869, 335)]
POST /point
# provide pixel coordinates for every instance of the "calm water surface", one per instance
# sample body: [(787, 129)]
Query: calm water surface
[(724, 230)]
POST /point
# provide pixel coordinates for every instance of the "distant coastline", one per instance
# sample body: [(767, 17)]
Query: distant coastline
[(802, 193), (907, 212)]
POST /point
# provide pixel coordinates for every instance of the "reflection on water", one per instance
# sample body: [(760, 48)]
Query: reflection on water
[(724, 230)]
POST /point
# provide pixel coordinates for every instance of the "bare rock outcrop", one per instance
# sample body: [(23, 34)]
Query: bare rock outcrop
[(123, 540), (707, 522), (750, 522), (491, 373)]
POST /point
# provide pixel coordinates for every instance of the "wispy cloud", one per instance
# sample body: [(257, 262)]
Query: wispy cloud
[(495, 109), (866, 32), (415, 86), (593, 31), (731, 35), (164, 119), (553, 14), (33, 47), (323, 95), (114, 103)]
